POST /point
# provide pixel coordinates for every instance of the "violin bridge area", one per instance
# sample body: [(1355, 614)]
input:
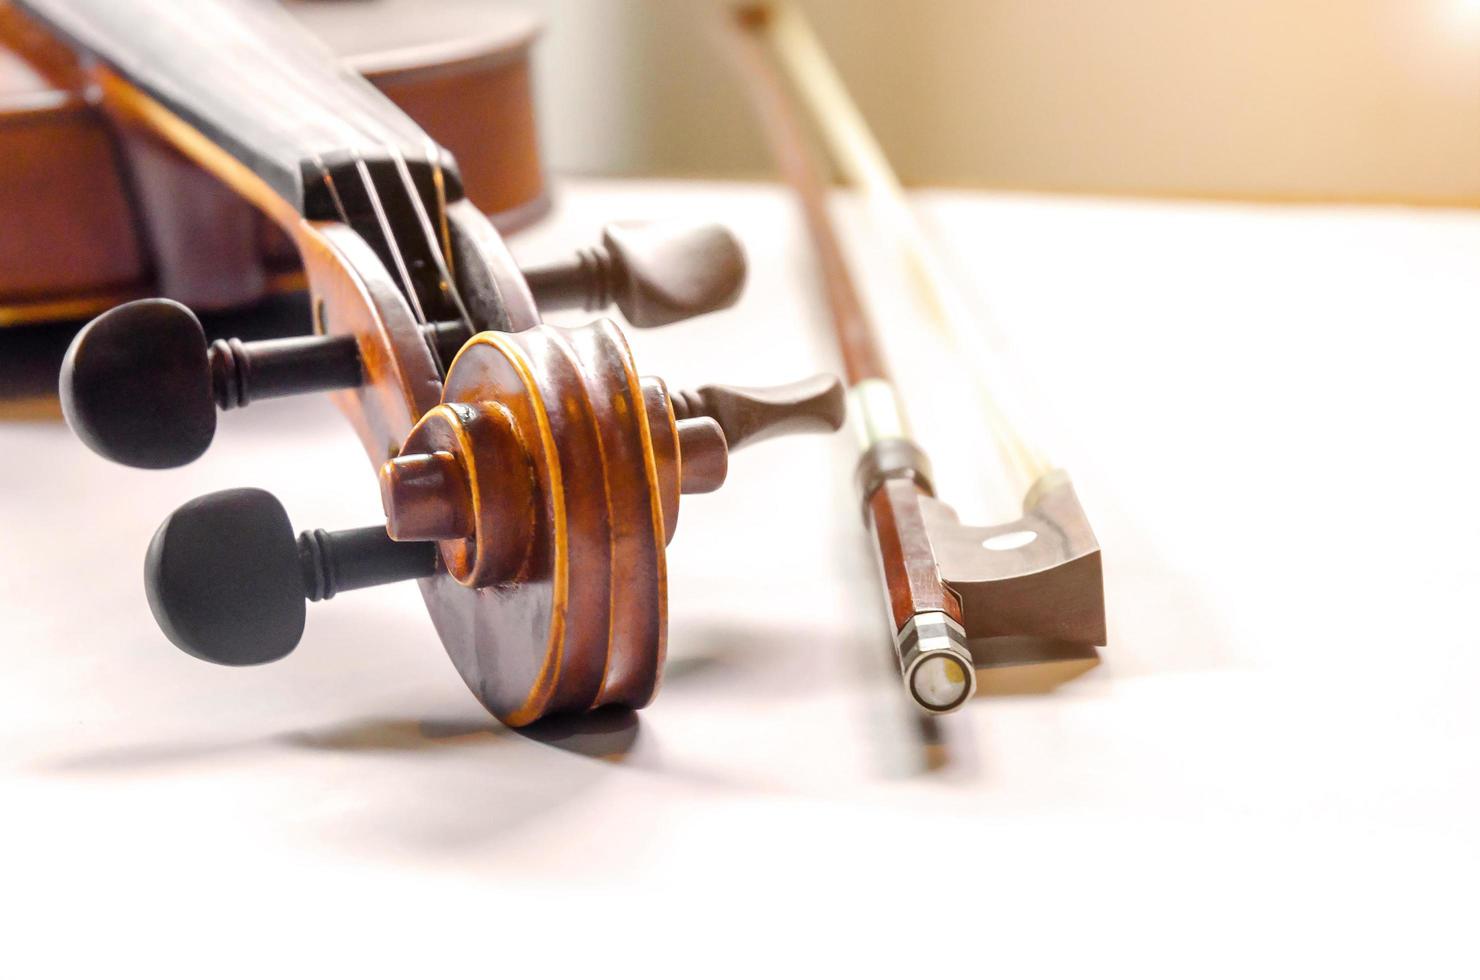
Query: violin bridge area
[(1267, 414)]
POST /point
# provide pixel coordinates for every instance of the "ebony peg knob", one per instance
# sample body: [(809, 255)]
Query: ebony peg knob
[(140, 385), (136, 385), (750, 415), (656, 273), (227, 579)]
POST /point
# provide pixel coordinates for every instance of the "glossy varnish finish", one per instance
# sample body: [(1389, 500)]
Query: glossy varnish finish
[(530, 487), (551, 477), (97, 213), (556, 594), (907, 562)]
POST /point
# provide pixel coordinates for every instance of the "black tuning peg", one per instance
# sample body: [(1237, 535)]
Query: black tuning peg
[(656, 273), (141, 386), (227, 579), (750, 415)]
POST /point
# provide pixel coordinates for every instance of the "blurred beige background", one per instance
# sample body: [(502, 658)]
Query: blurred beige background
[(1265, 99)]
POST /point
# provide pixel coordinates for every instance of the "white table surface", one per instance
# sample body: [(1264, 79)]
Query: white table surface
[(1269, 414)]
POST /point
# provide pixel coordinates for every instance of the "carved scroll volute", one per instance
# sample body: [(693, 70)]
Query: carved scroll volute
[(539, 480), (465, 479), (550, 478)]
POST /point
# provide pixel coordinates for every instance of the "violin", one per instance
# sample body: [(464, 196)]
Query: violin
[(531, 477)]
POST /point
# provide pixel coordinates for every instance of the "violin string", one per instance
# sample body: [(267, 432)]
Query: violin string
[(390, 235), (328, 179), (445, 281), (439, 181), (444, 276), (369, 124), (370, 103), (449, 287), (285, 100), (440, 252), (285, 94)]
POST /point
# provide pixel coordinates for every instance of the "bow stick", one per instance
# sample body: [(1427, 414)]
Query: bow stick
[(1025, 593)]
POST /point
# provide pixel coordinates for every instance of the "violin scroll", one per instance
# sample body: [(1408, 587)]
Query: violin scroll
[(539, 497), (466, 474)]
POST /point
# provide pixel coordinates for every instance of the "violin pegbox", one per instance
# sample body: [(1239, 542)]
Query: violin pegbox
[(550, 479), (141, 384)]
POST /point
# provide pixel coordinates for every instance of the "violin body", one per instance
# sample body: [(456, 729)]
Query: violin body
[(97, 214)]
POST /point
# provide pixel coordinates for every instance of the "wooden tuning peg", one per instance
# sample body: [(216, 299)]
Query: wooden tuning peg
[(703, 453), (227, 579), (140, 385), (750, 415), (656, 273)]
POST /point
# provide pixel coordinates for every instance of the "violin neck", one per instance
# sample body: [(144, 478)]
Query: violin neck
[(255, 84)]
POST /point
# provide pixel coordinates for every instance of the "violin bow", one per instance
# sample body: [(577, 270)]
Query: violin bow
[(1024, 598)]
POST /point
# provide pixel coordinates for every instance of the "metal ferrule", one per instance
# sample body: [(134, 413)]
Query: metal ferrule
[(933, 642)]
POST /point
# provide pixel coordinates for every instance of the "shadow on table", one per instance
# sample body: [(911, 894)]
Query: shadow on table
[(473, 782), (751, 662), (362, 736), (440, 786), (607, 734), (610, 734), (135, 760)]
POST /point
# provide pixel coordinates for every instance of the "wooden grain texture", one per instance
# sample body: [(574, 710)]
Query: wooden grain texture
[(857, 341), (79, 240), (1047, 585), (906, 558), (555, 595), (250, 79), (62, 249)]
